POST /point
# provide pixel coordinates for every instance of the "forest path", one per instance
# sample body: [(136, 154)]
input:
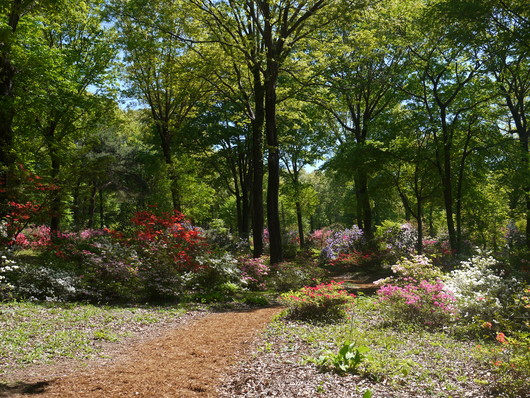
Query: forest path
[(186, 361)]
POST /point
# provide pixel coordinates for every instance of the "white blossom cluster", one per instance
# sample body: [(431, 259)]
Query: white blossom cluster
[(6, 265), (478, 287)]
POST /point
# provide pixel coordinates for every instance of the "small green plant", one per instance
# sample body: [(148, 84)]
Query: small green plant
[(368, 394), (346, 360)]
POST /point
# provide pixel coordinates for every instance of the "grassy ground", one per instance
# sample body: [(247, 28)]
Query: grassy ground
[(402, 361), (32, 333)]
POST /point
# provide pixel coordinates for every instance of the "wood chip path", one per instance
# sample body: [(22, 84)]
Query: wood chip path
[(187, 361)]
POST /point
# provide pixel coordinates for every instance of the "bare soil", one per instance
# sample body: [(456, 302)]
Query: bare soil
[(187, 360)]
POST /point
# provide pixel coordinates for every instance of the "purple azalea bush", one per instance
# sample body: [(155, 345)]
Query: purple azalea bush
[(343, 242)]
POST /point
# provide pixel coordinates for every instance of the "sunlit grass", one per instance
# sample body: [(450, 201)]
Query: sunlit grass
[(38, 333)]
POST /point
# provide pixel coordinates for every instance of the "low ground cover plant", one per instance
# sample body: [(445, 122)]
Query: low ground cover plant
[(346, 360)]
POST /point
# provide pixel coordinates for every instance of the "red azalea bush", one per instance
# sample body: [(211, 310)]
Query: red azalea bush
[(324, 302), (167, 246), (351, 261)]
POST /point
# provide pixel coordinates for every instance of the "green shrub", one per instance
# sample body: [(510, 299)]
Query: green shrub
[(290, 276)]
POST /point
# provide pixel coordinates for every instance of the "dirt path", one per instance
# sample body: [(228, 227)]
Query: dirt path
[(185, 362)]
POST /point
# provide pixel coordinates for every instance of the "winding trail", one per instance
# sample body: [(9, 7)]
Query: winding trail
[(186, 361)]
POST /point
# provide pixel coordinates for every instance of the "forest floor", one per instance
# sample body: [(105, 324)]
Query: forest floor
[(186, 360), (250, 353)]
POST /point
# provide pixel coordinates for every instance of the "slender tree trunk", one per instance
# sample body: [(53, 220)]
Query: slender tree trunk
[(165, 142), (7, 109), (300, 222), (92, 206), (419, 220), (447, 185), (55, 206), (525, 159), (365, 205), (358, 204), (432, 232), (273, 182), (245, 214), (101, 210), (257, 211), (76, 207)]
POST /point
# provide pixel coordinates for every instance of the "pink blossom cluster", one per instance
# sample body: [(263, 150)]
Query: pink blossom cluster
[(421, 299), (254, 271), (40, 236)]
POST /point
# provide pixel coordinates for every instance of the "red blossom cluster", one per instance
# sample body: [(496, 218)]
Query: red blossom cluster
[(170, 233), (19, 211)]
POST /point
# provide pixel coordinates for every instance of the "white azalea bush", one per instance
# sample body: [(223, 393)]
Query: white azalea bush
[(7, 266), (481, 291), (39, 283), (217, 268)]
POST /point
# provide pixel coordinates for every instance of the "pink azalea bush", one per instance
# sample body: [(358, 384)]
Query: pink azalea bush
[(416, 293), (326, 301), (425, 302), (254, 271)]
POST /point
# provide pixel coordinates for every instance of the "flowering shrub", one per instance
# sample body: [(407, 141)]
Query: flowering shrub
[(509, 360), (479, 289), (254, 271), (343, 242), (167, 246), (216, 269), (318, 238), (218, 235), (412, 270), (7, 266), (399, 238), (290, 244), (28, 204), (42, 282), (110, 270), (321, 303), (347, 261), (522, 304), (439, 251), (426, 302)]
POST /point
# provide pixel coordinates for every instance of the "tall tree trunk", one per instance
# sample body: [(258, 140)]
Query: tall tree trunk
[(419, 220), (459, 190), (7, 109), (76, 206), (257, 211), (364, 200), (92, 206), (525, 160), (273, 182), (165, 142), (447, 185), (358, 201), (101, 210), (519, 117), (245, 210), (55, 206), (300, 222)]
